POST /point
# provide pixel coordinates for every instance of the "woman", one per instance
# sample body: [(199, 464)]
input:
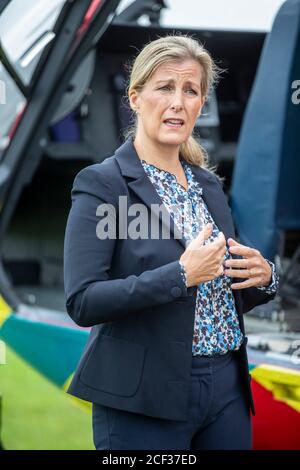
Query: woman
[(166, 363)]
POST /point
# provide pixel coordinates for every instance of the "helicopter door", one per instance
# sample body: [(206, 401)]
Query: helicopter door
[(41, 46)]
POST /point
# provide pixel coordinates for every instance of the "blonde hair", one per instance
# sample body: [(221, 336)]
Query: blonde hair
[(156, 53)]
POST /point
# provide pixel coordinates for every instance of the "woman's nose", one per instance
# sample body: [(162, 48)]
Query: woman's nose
[(176, 107), (176, 103)]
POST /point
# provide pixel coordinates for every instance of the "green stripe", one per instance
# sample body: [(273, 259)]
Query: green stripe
[(53, 350)]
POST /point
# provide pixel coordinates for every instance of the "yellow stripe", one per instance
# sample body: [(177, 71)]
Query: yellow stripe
[(5, 310), (283, 383), (83, 404)]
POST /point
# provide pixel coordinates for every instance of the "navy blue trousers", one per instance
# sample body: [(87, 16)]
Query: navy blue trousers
[(218, 415)]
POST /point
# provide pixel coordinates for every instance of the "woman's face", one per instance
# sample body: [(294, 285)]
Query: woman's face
[(169, 103)]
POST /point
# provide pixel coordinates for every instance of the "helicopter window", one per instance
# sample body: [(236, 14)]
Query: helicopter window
[(33, 23), (26, 28), (11, 104)]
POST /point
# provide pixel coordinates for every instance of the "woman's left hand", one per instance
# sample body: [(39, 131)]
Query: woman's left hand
[(253, 266)]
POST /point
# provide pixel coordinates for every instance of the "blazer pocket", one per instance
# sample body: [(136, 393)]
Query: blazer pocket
[(114, 366)]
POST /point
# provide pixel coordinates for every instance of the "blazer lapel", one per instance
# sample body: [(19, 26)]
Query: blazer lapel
[(216, 200), (131, 166)]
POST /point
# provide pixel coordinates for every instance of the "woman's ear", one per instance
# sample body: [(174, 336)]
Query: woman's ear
[(202, 104), (134, 100)]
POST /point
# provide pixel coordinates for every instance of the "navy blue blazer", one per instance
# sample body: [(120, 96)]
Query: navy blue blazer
[(130, 291)]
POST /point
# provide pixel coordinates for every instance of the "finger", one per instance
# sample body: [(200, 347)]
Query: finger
[(249, 283), (233, 242), (238, 263), (221, 237), (219, 244), (207, 231), (220, 240), (241, 250), (220, 270), (203, 235), (244, 273)]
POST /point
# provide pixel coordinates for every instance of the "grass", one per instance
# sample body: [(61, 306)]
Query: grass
[(38, 415)]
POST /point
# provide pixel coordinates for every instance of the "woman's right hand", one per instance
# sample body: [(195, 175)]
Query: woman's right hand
[(203, 263)]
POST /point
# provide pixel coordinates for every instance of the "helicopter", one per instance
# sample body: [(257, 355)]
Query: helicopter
[(63, 75)]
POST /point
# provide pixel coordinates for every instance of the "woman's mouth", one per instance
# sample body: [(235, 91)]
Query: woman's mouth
[(174, 123)]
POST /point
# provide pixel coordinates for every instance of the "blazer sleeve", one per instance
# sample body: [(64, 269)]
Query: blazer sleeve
[(91, 296), (252, 297)]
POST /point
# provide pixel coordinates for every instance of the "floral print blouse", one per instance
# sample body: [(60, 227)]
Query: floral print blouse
[(216, 325)]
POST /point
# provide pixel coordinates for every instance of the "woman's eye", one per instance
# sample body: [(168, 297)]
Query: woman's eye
[(192, 91), (165, 87)]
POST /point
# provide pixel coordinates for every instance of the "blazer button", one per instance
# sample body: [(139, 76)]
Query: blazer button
[(176, 291)]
